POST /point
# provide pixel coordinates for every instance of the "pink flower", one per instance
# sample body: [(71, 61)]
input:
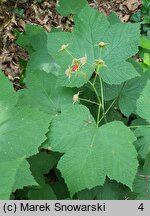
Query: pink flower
[(83, 60), (75, 68), (68, 73)]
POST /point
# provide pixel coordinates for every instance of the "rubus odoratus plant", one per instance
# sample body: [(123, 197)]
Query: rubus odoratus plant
[(82, 124)]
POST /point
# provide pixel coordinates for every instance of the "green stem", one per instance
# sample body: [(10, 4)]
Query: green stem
[(95, 79), (100, 52), (93, 102), (92, 85), (102, 96), (137, 126), (144, 176), (100, 104), (108, 109), (99, 100), (98, 115), (69, 53), (95, 91)]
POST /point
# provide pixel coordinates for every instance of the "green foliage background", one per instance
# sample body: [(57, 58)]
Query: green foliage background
[(96, 147)]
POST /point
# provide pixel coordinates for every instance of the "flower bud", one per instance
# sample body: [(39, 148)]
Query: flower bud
[(102, 44), (83, 60), (68, 72), (75, 61), (63, 47), (76, 98), (100, 63)]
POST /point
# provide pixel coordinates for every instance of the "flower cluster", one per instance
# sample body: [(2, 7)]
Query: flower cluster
[(75, 66)]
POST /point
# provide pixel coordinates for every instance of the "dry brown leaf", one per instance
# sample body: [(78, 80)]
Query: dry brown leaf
[(132, 5), (21, 24), (125, 18)]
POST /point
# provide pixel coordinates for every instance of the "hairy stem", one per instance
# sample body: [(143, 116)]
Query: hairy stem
[(69, 53), (86, 100), (108, 109), (102, 96), (95, 79), (98, 115), (92, 85), (137, 126), (98, 98)]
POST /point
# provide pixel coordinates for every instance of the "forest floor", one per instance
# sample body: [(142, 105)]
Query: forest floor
[(14, 15)]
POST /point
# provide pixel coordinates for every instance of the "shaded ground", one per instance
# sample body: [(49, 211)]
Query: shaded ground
[(15, 14)]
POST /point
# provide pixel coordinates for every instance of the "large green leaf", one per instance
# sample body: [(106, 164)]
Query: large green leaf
[(8, 97), (129, 94), (24, 177), (114, 114), (61, 190), (42, 61), (88, 194), (143, 143), (43, 92), (91, 28), (8, 169), (146, 167), (141, 185), (66, 7), (113, 91), (113, 18), (40, 164), (92, 153), (44, 192), (143, 103), (34, 39), (22, 130), (16, 124), (111, 190), (126, 93), (143, 132)]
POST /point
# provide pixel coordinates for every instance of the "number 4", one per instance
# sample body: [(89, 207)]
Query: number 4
[(141, 207)]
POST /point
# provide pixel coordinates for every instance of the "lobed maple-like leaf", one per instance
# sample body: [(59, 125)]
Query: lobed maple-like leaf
[(91, 28), (111, 190), (65, 7), (143, 103), (22, 130), (44, 192), (42, 92), (34, 39), (143, 110), (92, 153), (8, 169), (40, 164), (143, 140), (24, 177), (126, 93), (141, 184)]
